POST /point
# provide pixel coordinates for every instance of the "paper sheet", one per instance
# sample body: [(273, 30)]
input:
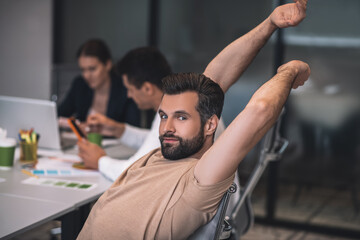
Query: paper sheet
[(60, 183), (60, 166)]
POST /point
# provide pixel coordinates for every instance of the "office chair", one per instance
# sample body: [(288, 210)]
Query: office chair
[(217, 228), (242, 217)]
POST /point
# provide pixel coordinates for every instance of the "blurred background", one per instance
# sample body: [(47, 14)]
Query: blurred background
[(315, 186)]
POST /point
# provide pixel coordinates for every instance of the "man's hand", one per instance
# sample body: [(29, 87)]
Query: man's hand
[(90, 153), (289, 15), (105, 125), (302, 71), (98, 119), (227, 67)]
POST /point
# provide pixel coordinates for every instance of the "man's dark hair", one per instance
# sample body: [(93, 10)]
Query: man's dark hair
[(211, 96), (95, 48), (145, 64)]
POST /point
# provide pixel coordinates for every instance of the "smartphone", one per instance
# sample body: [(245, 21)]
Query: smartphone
[(76, 129)]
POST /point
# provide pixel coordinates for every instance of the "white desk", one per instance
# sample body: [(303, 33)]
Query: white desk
[(29, 213), (41, 204), (13, 186)]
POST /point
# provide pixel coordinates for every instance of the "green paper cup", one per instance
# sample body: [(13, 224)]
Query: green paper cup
[(95, 138), (7, 150)]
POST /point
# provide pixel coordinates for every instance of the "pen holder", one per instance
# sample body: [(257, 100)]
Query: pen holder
[(28, 152)]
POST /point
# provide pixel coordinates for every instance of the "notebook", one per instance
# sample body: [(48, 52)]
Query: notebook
[(24, 113)]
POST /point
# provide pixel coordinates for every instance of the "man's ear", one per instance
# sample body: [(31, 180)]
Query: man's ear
[(211, 125), (147, 88)]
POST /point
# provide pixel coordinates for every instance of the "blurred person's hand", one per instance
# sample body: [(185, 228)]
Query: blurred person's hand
[(90, 153), (63, 122), (105, 125)]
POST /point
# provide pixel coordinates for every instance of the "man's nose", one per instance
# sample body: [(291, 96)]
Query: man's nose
[(169, 126)]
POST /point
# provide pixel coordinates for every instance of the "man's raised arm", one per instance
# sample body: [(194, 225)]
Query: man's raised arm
[(232, 61), (262, 111)]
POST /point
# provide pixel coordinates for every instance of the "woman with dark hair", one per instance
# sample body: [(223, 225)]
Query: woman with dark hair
[(98, 89)]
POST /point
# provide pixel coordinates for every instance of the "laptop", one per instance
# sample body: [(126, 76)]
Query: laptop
[(24, 113)]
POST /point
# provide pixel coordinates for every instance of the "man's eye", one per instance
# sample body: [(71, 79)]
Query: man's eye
[(182, 118), (163, 116)]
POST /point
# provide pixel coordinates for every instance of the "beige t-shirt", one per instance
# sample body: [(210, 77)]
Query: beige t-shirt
[(154, 198)]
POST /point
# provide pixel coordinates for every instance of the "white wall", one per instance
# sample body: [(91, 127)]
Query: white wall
[(25, 48)]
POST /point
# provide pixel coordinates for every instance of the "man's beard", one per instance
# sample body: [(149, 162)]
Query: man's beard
[(185, 148)]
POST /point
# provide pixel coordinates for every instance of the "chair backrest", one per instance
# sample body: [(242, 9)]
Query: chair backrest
[(243, 220), (214, 228), (242, 216)]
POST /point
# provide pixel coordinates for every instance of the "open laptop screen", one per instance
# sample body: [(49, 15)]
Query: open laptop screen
[(24, 113)]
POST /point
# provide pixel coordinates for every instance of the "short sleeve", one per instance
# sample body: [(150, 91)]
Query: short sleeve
[(205, 198)]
